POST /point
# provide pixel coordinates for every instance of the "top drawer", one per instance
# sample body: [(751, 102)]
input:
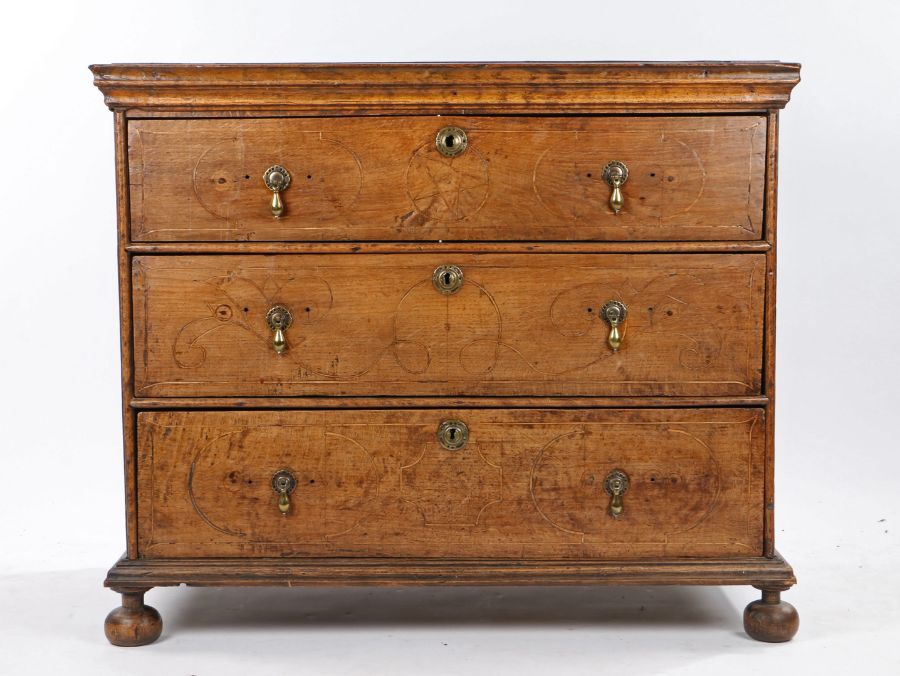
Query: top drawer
[(384, 179)]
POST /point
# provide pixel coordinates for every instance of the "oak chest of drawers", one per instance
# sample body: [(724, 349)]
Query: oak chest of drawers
[(448, 324)]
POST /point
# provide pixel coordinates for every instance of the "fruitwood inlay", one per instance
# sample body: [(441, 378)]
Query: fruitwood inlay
[(377, 483), (521, 324), (444, 402), (690, 178)]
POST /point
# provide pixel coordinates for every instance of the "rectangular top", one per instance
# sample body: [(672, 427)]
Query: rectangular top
[(449, 88)]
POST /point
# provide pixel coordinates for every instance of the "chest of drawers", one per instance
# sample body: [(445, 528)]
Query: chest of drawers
[(448, 324)]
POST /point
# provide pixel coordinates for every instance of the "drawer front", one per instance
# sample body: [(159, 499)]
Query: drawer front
[(519, 324), (689, 178), (526, 484)]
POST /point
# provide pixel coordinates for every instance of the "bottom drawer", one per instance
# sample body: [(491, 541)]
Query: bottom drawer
[(517, 483)]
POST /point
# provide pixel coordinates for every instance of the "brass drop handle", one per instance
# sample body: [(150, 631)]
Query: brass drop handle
[(616, 485), (277, 179), (616, 173), (284, 483), (614, 313), (279, 318)]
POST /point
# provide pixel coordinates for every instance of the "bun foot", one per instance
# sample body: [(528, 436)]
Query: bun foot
[(133, 623), (771, 619)]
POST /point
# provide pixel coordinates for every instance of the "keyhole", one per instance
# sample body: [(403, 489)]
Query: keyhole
[(450, 141), (447, 279), (452, 435)]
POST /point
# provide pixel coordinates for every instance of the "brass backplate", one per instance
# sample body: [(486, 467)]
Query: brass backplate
[(616, 483), (279, 317), (614, 312), (277, 178), (614, 172), (283, 482), (448, 279), (451, 141), (453, 434)]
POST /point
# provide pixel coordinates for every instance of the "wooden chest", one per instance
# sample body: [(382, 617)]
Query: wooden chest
[(448, 324)]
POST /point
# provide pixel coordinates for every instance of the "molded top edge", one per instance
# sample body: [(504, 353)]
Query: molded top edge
[(368, 88)]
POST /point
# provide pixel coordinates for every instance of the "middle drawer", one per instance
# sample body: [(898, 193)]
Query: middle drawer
[(448, 324)]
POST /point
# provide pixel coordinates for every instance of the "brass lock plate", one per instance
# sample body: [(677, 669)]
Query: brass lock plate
[(448, 279), (453, 434), (451, 141)]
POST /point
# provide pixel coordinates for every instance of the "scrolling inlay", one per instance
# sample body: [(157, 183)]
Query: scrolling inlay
[(472, 338)]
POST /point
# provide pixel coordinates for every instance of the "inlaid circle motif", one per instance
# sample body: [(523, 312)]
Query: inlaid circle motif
[(447, 188), (320, 177)]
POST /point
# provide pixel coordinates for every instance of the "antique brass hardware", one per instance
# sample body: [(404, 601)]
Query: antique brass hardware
[(616, 173), (451, 141), (284, 483), (277, 179), (616, 485), (279, 318), (448, 279), (453, 434), (614, 313)]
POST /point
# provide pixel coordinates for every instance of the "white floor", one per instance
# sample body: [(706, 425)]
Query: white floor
[(848, 601), (841, 538)]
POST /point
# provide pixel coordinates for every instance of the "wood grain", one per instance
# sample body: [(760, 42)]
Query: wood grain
[(362, 248), (295, 571), (377, 358), (529, 484), (133, 623), (142, 403), (383, 179), (126, 332), (770, 619), (445, 88), (520, 325), (771, 210)]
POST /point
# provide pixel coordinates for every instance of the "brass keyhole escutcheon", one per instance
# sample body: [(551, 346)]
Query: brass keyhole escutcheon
[(448, 279), (453, 434), (279, 318), (284, 483), (277, 179), (616, 485), (616, 173), (614, 313), (451, 141)]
